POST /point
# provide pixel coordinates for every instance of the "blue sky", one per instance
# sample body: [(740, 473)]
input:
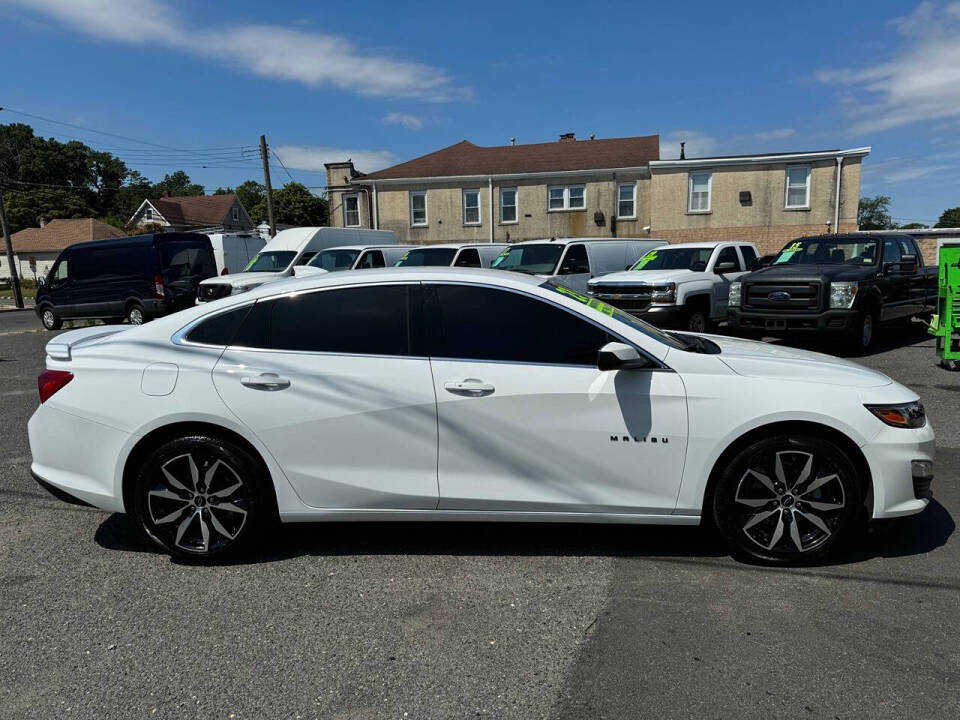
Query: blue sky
[(382, 82)]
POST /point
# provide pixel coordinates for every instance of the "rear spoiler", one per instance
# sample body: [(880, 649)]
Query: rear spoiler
[(60, 347)]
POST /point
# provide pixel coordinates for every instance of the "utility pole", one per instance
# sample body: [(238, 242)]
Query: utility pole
[(266, 182), (14, 276)]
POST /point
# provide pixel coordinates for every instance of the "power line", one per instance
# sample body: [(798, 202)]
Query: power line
[(282, 165)]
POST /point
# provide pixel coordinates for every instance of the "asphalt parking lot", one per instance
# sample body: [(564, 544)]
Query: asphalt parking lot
[(449, 621)]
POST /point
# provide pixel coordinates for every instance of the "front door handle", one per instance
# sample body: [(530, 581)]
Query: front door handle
[(471, 387), (265, 381)]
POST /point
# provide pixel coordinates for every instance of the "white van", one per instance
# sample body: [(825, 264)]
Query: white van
[(234, 251), (353, 257), (475, 255), (288, 249), (573, 261)]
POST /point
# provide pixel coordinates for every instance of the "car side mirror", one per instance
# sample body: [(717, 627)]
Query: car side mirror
[(907, 263), (725, 267), (620, 356), (41, 280)]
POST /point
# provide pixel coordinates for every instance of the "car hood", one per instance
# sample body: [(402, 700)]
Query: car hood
[(646, 277), (825, 272), (763, 360), (247, 278)]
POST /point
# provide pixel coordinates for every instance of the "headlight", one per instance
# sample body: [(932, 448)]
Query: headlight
[(842, 294), (734, 294), (244, 288), (664, 294), (908, 415)]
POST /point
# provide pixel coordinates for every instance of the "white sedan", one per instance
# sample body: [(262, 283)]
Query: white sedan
[(446, 394)]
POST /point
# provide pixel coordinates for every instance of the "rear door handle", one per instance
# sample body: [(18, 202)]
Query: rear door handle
[(265, 381), (471, 387)]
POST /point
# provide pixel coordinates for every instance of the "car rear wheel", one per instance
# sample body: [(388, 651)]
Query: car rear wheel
[(135, 314), (787, 499), (201, 498), (50, 319)]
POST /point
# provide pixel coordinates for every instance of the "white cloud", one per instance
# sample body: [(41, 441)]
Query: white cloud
[(697, 144), (920, 82), (312, 58), (901, 169), (777, 134), (305, 157), (405, 119)]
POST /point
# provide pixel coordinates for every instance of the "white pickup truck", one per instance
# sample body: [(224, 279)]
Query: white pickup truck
[(684, 285)]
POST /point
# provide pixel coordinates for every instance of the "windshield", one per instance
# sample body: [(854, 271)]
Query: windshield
[(695, 259), (270, 261), (539, 259), (832, 251), (427, 256), (617, 314), (333, 260), (182, 260)]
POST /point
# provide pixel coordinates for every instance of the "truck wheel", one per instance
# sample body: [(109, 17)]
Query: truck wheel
[(864, 331), (50, 319), (950, 364), (697, 320)]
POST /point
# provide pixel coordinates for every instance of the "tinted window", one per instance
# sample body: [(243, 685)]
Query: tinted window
[(219, 329), (539, 259), (891, 250), (371, 259), (334, 260), (439, 257), (575, 261), (362, 320), (185, 259), (728, 254), (749, 254), (468, 258), (271, 261), (477, 323)]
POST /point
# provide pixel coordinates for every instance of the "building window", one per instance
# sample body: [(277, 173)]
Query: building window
[(627, 200), (508, 205), (471, 207), (148, 214), (351, 211), (700, 184), (798, 187), (418, 207), (236, 214), (566, 197)]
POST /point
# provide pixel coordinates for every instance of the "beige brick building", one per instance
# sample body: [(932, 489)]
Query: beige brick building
[(600, 188)]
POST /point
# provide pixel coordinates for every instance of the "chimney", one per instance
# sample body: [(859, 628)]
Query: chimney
[(513, 141), (568, 137), (43, 221), (683, 155)]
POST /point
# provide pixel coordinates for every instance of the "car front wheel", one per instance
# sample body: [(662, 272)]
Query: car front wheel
[(788, 498), (50, 319), (201, 498), (135, 315)]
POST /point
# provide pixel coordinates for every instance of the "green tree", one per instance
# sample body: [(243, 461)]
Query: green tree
[(177, 184), (293, 204), (26, 208), (913, 226), (949, 219), (874, 213), (250, 194)]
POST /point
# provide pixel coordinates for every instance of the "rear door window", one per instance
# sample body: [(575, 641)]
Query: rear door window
[(891, 250), (575, 261), (479, 323), (371, 259), (219, 329), (368, 320)]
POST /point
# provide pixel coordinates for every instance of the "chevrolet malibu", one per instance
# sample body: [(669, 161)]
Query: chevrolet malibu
[(473, 395)]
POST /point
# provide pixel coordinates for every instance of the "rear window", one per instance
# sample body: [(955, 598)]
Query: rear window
[(539, 259), (181, 259), (333, 260), (435, 257)]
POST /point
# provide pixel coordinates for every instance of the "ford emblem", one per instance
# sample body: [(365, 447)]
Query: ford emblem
[(779, 295)]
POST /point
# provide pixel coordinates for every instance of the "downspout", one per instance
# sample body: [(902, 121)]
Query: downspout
[(490, 181), (376, 209), (836, 201)]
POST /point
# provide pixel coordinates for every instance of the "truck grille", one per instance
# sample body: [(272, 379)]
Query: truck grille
[(629, 298), (783, 297), (213, 291)]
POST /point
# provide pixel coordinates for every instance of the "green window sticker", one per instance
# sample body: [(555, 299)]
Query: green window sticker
[(650, 256), (784, 256), (590, 302), (250, 264)]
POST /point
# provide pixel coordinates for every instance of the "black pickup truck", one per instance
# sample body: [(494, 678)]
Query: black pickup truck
[(841, 284)]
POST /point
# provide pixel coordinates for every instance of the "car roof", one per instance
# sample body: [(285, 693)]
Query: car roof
[(457, 246), (708, 244), (361, 248), (568, 240)]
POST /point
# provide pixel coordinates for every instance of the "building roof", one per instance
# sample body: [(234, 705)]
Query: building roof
[(761, 158), (194, 210), (59, 234), (466, 159)]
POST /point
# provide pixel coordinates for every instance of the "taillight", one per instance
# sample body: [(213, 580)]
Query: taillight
[(158, 286), (225, 272), (50, 381)]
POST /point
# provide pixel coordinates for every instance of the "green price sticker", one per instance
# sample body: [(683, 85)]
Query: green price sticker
[(652, 255), (588, 301)]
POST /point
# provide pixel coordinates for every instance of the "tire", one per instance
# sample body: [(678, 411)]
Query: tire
[(697, 320), (202, 499), (792, 516), (864, 331), (953, 365), (136, 314), (49, 319)]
